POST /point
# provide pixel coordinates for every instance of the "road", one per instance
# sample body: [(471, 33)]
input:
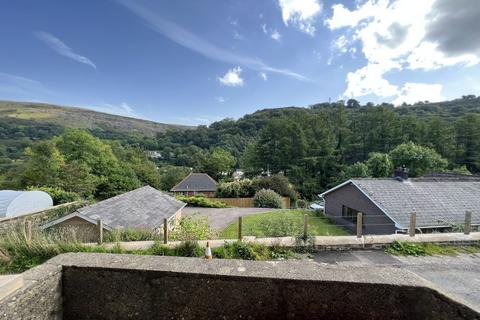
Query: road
[(458, 275), (218, 219)]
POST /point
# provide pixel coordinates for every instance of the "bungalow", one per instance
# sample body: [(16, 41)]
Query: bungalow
[(143, 208), (196, 183), (440, 202)]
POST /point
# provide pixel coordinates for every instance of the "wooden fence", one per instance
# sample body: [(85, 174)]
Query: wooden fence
[(248, 202)]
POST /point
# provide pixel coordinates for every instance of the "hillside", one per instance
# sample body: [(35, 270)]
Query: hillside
[(70, 117)]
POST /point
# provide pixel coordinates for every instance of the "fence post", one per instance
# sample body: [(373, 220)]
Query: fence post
[(305, 226), (28, 230), (100, 231), (413, 222), (165, 231), (468, 222), (239, 228), (359, 224)]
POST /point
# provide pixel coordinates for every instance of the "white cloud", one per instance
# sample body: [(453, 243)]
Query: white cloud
[(61, 48), (301, 13), (19, 87), (276, 35), (369, 80), (264, 76), (340, 44), (122, 109), (404, 34), (220, 99), (232, 78), (195, 43), (272, 33), (415, 92)]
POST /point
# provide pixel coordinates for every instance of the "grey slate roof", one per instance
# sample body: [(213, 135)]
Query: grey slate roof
[(436, 202), (196, 182), (144, 208)]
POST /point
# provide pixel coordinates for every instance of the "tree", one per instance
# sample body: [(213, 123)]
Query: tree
[(217, 163), (171, 175), (379, 165), (357, 170), (418, 159), (44, 165), (281, 145)]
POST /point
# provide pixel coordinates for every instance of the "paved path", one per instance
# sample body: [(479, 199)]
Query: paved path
[(220, 218), (458, 275)]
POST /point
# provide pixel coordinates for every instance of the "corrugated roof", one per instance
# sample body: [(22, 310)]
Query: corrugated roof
[(196, 182), (145, 208), (436, 202)]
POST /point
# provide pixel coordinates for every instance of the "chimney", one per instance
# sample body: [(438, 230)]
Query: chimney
[(401, 173)]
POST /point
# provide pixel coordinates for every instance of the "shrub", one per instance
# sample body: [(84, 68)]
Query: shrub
[(278, 183), (242, 250), (202, 201), (58, 195), (302, 204), (267, 199), (236, 189), (405, 248), (193, 228), (189, 249)]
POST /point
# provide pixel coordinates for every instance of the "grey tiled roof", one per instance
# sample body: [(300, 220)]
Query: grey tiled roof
[(145, 207), (436, 202), (196, 182)]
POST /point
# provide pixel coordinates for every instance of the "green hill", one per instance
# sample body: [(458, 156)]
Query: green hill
[(69, 117)]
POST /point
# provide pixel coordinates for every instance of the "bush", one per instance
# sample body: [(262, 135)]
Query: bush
[(189, 249), (302, 204), (236, 189), (267, 199), (242, 250), (405, 248), (202, 201), (278, 183), (58, 195), (193, 228)]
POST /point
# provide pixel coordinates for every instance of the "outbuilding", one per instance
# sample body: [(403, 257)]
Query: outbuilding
[(17, 203), (144, 208)]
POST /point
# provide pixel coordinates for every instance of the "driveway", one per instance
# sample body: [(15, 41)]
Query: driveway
[(458, 275), (220, 218)]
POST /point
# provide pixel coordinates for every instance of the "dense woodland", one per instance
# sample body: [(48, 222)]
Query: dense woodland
[(315, 148)]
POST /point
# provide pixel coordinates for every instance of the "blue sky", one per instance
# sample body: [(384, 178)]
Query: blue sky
[(195, 62)]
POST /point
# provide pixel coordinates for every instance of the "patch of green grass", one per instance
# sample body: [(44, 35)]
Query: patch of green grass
[(282, 223), (429, 249)]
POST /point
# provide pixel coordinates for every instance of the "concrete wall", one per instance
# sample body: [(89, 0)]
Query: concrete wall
[(375, 221), (106, 286), (39, 298)]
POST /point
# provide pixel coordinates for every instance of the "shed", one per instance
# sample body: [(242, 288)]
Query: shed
[(143, 208), (196, 183), (17, 203)]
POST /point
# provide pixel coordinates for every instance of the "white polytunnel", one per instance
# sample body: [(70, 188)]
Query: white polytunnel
[(17, 203)]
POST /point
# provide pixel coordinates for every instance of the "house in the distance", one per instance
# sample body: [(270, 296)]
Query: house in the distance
[(143, 208), (439, 202), (196, 183)]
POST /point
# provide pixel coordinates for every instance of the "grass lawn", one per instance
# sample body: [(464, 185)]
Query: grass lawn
[(282, 223)]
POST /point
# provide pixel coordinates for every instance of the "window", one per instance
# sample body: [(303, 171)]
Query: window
[(349, 214)]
